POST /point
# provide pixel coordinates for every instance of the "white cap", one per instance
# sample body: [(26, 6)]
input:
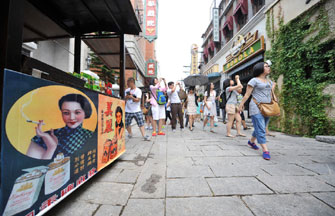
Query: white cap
[(268, 62)]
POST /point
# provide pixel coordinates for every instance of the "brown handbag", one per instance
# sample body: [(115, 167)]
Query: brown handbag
[(182, 94), (269, 109)]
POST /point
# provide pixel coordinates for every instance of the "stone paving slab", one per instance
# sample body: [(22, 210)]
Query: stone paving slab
[(187, 187), (295, 184), (189, 171), (329, 179), (144, 207), (328, 197), (321, 168), (236, 170), (237, 186), (151, 182), (107, 210), (106, 193), (73, 208), (228, 206), (287, 205), (286, 170)]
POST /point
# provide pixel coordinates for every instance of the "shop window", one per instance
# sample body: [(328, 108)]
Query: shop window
[(257, 5)]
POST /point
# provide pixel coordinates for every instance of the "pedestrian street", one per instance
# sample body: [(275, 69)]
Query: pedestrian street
[(203, 173)]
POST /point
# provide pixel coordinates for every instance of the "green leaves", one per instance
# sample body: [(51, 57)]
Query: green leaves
[(307, 66)]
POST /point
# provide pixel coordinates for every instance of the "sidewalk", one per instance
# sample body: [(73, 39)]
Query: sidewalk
[(203, 173)]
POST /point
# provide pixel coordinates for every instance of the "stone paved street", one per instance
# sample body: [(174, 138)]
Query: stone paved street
[(203, 173)]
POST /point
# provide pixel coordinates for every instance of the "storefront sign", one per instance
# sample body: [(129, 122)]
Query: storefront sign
[(150, 19), (54, 138), (151, 68), (194, 62), (213, 69), (216, 31), (244, 53)]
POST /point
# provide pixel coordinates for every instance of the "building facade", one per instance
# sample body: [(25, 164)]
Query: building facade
[(242, 38)]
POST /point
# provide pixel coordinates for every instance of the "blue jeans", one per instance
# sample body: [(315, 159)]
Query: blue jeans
[(259, 122)]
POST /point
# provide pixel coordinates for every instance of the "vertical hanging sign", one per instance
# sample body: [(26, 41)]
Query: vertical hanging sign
[(150, 19), (216, 33), (151, 68), (194, 53)]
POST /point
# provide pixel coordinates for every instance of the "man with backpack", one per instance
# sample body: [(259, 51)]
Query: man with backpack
[(176, 107), (133, 108)]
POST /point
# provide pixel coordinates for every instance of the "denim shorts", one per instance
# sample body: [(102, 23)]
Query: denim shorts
[(259, 122)]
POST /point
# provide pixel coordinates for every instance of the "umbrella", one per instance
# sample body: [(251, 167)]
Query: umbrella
[(196, 79)]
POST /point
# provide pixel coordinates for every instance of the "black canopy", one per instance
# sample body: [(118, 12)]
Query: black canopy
[(50, 19)]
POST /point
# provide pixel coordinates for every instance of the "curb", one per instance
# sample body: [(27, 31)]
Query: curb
[(327, 139)]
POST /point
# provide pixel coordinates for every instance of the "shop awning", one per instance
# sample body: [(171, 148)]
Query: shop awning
[(67, 18), (214, 75), (228, 25), (241, 7), (108, 49)]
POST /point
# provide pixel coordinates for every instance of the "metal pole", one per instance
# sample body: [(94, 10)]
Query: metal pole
[(77, 54), (122, 66)]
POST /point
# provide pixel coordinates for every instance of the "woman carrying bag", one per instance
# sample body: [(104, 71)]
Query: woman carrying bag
[(262, 105)]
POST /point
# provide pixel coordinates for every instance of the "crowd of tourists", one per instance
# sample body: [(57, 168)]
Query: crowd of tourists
[(165, 102)]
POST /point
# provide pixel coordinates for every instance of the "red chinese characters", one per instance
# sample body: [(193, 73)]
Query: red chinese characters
[(151, 19)]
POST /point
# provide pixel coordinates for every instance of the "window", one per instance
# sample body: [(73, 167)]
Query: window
[(257, 5), (242, 19), (229, 35)]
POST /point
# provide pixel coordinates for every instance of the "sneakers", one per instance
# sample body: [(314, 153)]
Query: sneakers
[(150, 128), (173, 130), (130, 136), (154, 134), (161, 133), (146, 127), (253, 145), (146, 138), (266, 155), (182, 129)]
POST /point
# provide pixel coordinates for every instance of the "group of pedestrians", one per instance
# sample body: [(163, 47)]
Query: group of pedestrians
[(163, 100)]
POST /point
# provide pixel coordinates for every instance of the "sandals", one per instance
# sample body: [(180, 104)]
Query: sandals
[(230, 136), (272, 135), (241, 135)]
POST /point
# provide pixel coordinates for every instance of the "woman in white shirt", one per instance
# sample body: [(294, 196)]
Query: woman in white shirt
[(210, 106)]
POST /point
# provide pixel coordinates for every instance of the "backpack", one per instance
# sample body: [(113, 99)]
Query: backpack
[(161, 98)]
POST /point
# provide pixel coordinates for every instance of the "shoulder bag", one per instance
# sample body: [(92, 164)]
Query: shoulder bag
[(182, 94)]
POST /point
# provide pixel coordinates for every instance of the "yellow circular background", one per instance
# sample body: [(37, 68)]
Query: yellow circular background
[(43, 106)]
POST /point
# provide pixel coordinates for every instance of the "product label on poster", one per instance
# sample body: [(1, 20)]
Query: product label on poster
[(52, 131), (150, 19)]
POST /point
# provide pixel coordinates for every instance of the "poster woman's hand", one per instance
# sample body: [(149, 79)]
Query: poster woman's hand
[(50, 140)]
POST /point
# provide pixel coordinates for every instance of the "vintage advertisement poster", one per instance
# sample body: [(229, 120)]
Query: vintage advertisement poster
[(49, 142), (111, 128)]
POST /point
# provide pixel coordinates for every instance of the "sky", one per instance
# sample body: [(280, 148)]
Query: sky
[(180, 24)]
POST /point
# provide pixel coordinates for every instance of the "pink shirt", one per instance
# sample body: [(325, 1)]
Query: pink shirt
[(153, 90)]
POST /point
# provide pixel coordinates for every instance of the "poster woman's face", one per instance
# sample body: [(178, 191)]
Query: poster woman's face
[(72, 113), (118, 117)]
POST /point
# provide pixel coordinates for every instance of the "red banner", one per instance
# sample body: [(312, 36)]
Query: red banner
[(150, 20)]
